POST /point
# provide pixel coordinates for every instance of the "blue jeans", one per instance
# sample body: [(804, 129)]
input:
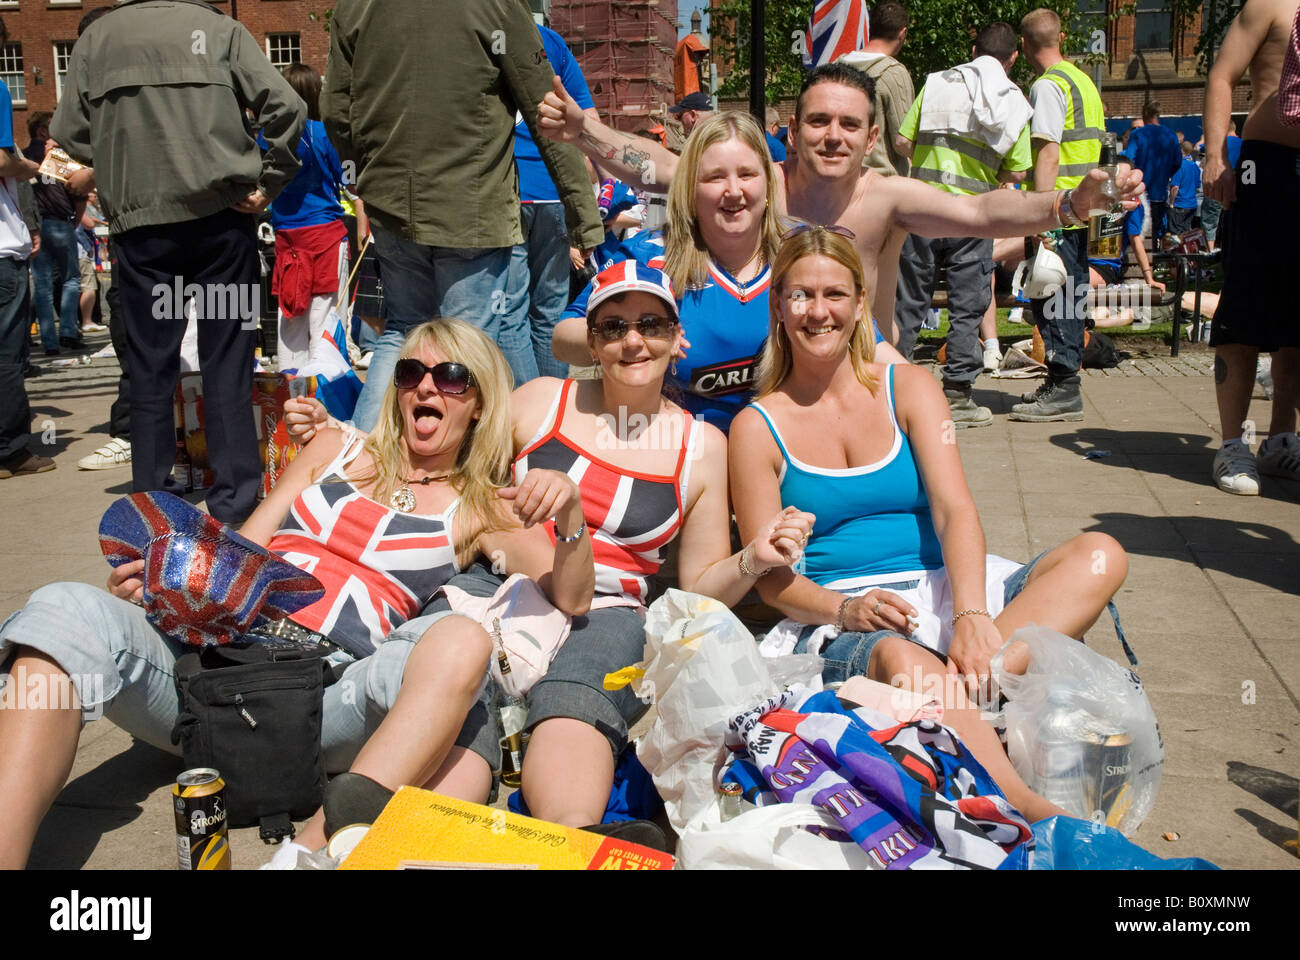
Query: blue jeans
[(58, 245), (421, 283), (1059, 319), (537, 291)]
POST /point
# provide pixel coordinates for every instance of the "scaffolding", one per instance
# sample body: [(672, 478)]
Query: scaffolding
[(625, 50)]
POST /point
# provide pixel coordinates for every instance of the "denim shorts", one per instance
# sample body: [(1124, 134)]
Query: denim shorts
[(124, 668), (601, 642), (849, 654)]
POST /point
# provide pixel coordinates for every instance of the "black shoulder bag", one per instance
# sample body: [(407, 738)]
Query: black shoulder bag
[(254, 713)]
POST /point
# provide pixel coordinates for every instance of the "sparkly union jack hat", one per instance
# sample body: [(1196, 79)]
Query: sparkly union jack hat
[(204, 584), (628, 276)]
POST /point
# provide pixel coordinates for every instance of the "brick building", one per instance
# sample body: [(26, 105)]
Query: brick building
[(42, 33)]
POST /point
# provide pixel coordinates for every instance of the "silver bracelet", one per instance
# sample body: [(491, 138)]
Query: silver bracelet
[(582, 528)]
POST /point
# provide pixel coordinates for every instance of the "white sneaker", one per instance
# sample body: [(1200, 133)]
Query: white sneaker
[(1282, 460), (93, 328), (992, 358), (115, 453), (364, 362), (1235, 471)]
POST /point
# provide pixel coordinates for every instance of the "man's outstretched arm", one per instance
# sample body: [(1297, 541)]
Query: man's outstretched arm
[(1000, 213), (640, 163)]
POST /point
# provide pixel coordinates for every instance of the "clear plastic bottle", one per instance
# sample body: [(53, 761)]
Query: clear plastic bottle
[(1058, 759)]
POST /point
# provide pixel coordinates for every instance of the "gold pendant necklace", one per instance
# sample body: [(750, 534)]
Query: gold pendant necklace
[(403, 498)]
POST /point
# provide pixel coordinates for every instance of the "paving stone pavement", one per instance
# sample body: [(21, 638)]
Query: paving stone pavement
[(1211, 601)]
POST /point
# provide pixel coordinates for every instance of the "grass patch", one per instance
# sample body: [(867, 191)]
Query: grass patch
[(1009, 333)]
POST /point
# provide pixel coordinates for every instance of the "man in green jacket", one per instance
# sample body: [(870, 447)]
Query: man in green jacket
[(155, 98), (421, 102)]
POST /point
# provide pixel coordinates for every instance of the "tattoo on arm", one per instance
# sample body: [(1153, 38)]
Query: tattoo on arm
[(1220, 370), (636, 159), (605, 151)]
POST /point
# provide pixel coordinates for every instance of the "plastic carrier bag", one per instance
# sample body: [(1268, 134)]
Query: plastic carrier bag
[(1080, 730), (701, 668), (767, 838), (1064, 844)]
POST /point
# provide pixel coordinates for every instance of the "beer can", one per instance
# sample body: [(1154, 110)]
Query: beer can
[(1109, 767), (199, 800)]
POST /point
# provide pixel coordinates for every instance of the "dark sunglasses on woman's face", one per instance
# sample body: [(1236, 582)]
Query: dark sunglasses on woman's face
[(650, 327), (449, 378)]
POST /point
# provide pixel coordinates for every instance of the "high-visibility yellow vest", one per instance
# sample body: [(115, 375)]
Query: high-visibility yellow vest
[(960, 165), (1085, 121)]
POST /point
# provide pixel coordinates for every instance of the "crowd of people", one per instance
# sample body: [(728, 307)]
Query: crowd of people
[(785, 288)]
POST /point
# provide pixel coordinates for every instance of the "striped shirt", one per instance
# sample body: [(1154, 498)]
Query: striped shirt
[(631, 516), (378, 566)]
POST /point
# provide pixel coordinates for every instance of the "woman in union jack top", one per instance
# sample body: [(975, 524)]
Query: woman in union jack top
[(381, 522)]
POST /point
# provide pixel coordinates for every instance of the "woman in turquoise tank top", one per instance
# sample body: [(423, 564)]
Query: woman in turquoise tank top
[(895, 584)]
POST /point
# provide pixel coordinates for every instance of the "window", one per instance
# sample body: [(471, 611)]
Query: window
[(62, 54), (1153, 26), (283, 49), (11, 72)]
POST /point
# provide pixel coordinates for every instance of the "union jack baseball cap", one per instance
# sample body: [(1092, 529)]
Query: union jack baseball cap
[(629, 276)]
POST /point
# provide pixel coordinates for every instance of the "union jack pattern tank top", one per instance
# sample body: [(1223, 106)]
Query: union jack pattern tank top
[(378, 566), (631, 516)]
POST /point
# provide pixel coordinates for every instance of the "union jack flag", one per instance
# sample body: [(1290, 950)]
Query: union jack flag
[(836, 27)]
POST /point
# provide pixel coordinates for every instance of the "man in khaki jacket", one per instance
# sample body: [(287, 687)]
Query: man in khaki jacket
[(155, 98), (421, 102)]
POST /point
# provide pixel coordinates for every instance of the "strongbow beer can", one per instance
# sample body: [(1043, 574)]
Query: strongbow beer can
[(199, 799), (1110, 772)]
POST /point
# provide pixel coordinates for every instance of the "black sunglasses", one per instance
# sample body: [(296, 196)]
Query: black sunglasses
[(650, 327), (831, 228), (449, 378)]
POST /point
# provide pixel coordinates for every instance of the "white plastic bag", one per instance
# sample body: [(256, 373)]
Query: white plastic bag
[(1080, 730), (701, 668), (767, 838)]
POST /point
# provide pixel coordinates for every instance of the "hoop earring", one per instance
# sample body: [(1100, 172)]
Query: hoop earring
[(672, 367)]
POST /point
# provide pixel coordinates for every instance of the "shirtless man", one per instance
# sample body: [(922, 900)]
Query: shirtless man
[(823, 180), (1260, 199)]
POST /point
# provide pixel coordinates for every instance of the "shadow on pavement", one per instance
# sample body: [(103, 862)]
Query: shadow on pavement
[(98, 801), (1276, 789), (1238, 548), (1183, 455)]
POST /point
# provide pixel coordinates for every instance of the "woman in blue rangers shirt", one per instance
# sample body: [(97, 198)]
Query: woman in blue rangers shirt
[(722, 235)]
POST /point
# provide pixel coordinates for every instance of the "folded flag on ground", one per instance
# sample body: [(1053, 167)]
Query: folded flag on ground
[(910, 794)]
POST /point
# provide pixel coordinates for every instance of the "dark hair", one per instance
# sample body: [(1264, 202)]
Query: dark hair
[(997, 40), (838, 73), (1151, 111), (90, 18), (306, 83), (41, 118), (888, 20)]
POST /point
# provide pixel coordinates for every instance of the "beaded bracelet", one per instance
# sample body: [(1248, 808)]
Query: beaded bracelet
[(965, 613), (582, 528)]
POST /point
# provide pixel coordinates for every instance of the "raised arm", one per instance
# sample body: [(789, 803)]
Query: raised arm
[(638, 162), (933, 213)]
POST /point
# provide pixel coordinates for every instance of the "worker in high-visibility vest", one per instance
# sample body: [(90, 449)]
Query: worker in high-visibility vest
[(966, 133), (1066, 135)]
